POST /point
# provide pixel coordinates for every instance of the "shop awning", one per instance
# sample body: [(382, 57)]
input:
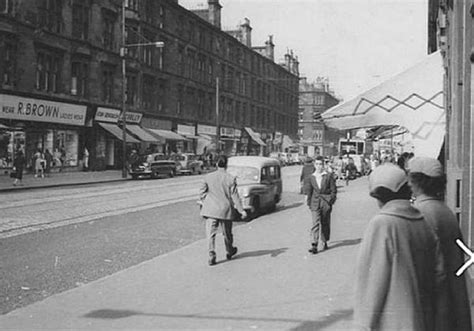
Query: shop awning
[(117, 132), (287, 142), (166, 134), (205, 142), (255, 136), (142, 134), (412, 99)]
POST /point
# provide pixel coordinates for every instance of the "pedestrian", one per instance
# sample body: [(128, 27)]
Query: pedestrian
[(39, 164), (220, 201), (320, 190), (399, 271), (48, 157), (85, 159), (428, 183), (133, 159), (19, 165), (350, 170), (307, 170)]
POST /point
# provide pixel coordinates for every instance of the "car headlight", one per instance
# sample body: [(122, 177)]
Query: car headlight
[(244, 193)]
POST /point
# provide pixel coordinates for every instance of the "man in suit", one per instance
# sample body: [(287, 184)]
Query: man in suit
[(320, 190), (220, 199)]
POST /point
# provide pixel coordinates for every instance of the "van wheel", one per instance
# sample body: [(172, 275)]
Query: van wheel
[(154, 175), (256, 208), (273, 206)]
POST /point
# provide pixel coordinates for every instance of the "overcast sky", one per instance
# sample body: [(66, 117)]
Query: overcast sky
[(355, 43)]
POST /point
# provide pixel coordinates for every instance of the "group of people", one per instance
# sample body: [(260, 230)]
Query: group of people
[(408, 258), (406, 269)]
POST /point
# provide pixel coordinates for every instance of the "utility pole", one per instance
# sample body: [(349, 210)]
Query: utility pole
[(218, 129), (124, 106)]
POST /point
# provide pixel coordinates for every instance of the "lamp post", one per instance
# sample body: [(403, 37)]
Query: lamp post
[(158, 44), (218, 129)]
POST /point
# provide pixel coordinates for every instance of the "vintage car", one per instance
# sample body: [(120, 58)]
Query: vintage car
[(187, 163), (153, 165), (258, 182)]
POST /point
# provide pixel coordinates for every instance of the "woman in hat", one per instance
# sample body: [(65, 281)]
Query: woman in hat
[(428, 183), (399, 268)]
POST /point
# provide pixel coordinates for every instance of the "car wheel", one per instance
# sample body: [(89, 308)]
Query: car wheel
[(154, 175), (134, 176)]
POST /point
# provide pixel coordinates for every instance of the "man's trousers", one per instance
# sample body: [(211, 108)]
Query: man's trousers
[(211, 229)]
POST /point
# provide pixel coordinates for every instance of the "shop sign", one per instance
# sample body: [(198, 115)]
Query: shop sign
[(107, 115), (28, 109), (132, 117), (187, 130), (154, 123), (227, 132), (206, 129)]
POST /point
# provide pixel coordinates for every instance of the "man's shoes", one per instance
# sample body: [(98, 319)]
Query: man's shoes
[(229, 255), (212, 259), (313, 249)]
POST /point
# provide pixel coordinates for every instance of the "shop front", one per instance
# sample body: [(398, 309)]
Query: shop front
[(32, 125), (229, 140), (189, 132), (206, 142), (251, 143)]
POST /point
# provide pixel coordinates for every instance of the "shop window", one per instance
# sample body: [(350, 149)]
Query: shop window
[(109, 21), (9, 62), (79, 78), (108, 83), (47, 71), (50, 15), (80, 19)]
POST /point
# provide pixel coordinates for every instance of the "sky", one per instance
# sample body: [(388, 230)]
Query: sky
[(356, 44)]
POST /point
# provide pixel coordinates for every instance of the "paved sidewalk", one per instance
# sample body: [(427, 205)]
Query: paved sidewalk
[(273, 283), (60, 179)]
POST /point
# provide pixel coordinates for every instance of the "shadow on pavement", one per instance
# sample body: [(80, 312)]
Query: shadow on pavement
[(348, 242), (325, 321), (289, 206), (117, 313), (271, 252), (303, 324)]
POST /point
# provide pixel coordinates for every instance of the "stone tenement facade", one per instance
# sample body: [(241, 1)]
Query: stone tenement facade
[(69, 52)]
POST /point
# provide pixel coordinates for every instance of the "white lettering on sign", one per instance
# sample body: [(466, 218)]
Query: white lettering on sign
[(28, 109), (107, 115)]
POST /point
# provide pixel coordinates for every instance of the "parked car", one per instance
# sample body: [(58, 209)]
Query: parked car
[(258, 181), (153, 165), (188, 163)]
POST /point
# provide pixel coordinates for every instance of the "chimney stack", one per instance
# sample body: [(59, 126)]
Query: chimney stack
[(270, 48), (246, 31), (214, 12)]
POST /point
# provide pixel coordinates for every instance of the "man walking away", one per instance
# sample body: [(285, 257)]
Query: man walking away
[(320, 190), (220, 200)]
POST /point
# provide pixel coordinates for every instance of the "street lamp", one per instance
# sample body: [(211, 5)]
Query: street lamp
[(158, 44)]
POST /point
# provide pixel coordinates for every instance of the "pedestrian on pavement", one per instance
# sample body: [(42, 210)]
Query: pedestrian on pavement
[(399, 272), (48, 157), (133, 159), (428, 183), (220, 201), (85, 159), (308, 169), (19, 165), (320, 190), (39, 164)]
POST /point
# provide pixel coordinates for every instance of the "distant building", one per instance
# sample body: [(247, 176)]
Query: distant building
[(61, 82), (314, 137)]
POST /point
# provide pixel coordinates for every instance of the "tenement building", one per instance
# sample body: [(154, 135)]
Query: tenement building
[(315, 138), (186, 83)]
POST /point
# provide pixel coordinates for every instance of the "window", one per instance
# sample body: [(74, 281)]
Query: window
[(79, 77), (319, 99), (148, 100), (132, 4), (148, 51), (80, 19), (131, 89), (162, 17), (131, 37), (47, 71), (9, 62), (50, 15), (5, 6), (109, 20), (108, 83)]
